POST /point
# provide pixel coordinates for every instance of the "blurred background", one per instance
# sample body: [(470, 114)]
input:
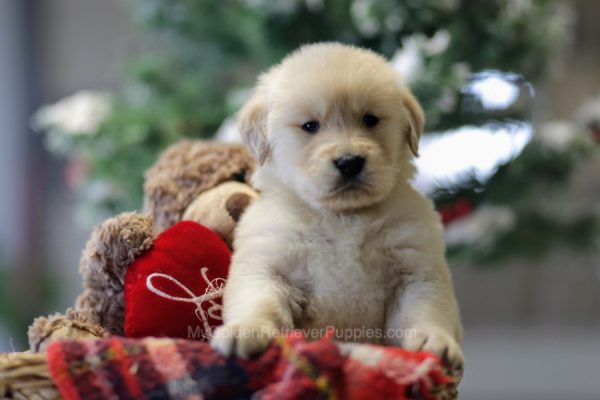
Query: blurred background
[(92, 91)]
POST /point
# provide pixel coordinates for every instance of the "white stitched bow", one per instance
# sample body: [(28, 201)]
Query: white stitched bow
[(213, 291)]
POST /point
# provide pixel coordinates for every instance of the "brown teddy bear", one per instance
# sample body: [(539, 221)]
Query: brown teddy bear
[(205, 182)]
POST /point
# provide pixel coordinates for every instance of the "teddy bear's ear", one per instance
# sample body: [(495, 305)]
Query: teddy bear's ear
[(252, 122), (236, 204)]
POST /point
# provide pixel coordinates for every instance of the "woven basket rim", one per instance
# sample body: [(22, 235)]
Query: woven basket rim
[(26, 375)]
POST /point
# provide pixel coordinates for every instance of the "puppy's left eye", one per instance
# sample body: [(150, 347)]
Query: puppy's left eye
[(370, 120), (311, 127)]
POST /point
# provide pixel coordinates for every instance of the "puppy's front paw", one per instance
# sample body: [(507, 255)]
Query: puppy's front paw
[(243, 339), (435, 340)]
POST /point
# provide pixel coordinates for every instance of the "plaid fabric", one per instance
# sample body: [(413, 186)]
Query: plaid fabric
[(292, 368)]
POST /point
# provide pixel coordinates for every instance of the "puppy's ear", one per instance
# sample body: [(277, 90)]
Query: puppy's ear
[(416, 120), (252, 122)]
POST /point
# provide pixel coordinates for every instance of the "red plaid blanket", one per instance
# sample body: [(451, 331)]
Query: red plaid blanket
[(292, 368)]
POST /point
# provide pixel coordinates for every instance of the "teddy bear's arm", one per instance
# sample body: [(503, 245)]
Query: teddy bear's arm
[(73, 325), (111, 249)]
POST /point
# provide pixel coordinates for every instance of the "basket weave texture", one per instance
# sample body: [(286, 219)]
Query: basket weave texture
[(26, 376)]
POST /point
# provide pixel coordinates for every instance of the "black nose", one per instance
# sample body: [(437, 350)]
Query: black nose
[(349, 165)]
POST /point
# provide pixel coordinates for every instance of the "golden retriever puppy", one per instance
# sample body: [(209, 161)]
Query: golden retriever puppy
[(339, 237)]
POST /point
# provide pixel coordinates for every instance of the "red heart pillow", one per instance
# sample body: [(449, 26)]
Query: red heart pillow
[(174, 289)]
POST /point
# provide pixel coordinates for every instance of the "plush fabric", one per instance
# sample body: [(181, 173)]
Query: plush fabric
[(109, 252), (174, 289), (291, 368), (188, 168), (74, 325)]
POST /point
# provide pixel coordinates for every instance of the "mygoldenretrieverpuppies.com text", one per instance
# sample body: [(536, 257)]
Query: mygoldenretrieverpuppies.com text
[(356, 334)]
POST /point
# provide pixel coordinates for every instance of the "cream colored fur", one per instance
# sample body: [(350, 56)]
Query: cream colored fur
[(313, 252)]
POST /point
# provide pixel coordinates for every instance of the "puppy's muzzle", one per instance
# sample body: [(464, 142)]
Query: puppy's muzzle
[(349, 165)]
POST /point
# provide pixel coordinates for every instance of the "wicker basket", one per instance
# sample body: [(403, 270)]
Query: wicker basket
[(26, 376)]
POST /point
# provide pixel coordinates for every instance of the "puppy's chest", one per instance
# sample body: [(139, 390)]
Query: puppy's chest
[(348, 276)]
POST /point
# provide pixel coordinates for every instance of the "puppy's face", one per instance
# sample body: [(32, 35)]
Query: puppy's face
[(334, 123)]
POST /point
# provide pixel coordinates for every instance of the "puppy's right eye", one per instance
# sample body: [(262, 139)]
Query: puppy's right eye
[(311, 127), (370, 120)]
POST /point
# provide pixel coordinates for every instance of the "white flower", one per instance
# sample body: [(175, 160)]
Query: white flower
[(79, 114), (517, 9), (408, 60), (480, 227), (495, 90), (556, 135), (438, 43), (366, 24), (228, 132)]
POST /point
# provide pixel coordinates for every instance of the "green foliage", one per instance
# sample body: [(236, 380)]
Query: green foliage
[(206, 55), (530, 186), (535, 235), (231, 41)]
